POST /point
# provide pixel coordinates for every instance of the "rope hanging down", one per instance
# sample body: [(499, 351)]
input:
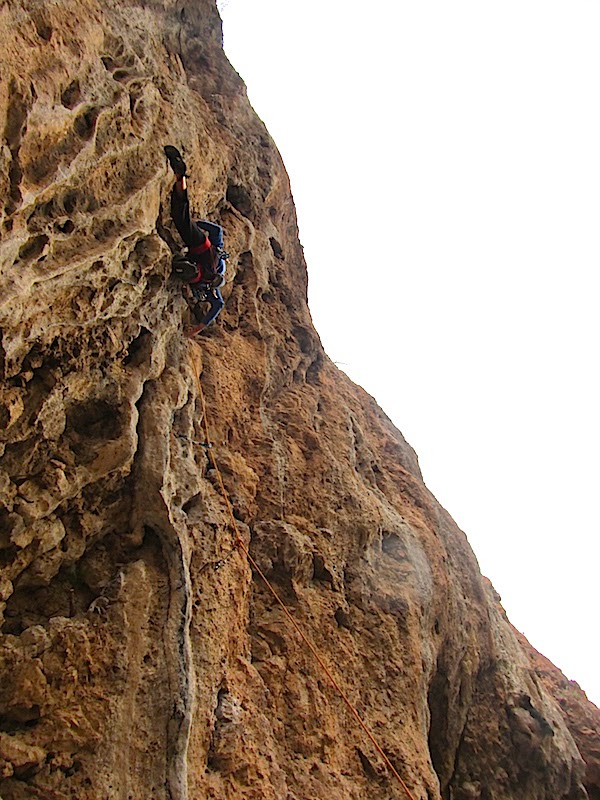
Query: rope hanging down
[(239, 542)]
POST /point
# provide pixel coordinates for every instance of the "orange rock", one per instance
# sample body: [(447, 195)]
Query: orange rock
[(192, 683)]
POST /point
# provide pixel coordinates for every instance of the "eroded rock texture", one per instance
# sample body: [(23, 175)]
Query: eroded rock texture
[(139, 655)]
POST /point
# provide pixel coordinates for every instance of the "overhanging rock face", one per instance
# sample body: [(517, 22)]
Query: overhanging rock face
[(140, 655)]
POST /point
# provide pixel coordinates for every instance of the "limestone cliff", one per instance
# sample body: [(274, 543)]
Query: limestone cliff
[(140, 656)]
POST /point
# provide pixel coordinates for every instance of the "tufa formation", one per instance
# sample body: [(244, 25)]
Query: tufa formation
[(141, 654)]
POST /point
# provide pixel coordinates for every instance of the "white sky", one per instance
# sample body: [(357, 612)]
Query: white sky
[(460, 142)]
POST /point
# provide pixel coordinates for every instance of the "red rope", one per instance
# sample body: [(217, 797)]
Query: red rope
[(240, 543)]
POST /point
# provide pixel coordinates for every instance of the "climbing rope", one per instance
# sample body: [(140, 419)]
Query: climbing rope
[(239, 542)]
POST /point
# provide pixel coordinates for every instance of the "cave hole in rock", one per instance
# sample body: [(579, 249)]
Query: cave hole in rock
[(95, 419), (8, 555), (366, 764), (122, 75), (70, 97), (342, 619), (139, 349), (19, 719), (40, 213), (69, 202), (85, 123), (304, 338), (68, 226), (103, 229), (438, 702), (155, 282), (33, 247), (239, 198), (320, 571), (193, 503), (75, 767), (245, 261), (146, 251), (40, 598), (16, 116), (43, 27), (314, 370), (276, 248)]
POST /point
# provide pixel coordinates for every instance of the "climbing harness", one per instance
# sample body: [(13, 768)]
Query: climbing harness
[(239, 543)]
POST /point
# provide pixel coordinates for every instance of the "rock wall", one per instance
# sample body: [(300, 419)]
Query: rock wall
[(140, 657)]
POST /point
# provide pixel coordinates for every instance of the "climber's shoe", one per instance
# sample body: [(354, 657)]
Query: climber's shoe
[(191, 332), (177, 163)]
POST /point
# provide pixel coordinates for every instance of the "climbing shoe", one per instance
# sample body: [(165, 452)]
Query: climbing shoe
[(177, 163)]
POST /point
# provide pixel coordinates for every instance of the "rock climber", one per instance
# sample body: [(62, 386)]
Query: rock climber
[(203, 266)]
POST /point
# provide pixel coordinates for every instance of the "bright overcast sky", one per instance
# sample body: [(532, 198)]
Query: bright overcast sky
[(445, 163)]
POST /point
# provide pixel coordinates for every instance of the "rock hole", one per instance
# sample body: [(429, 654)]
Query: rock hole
[(342, 619), (277, 249), (70, 97), (187, 507), (75, 767), (439, 744), (16, 117), (139, 349), (239, 198), (16, 122), (312, 373), (305, 339), (42, 211), (94, 419), (108, 62), (122, 75), (368, 768), (85, 123), (103, 229), (272, 212), (320, 571), (69, 202), (65, 227), (33, 247), (43, 29), (245, 261)]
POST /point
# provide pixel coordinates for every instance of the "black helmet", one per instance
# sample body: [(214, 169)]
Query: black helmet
[(184, 269)]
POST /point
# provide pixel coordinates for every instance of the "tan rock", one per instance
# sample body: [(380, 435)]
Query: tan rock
[(141, 655), (18, 756)]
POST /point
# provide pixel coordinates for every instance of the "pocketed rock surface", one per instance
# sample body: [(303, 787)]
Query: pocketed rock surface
[(141, 656)]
